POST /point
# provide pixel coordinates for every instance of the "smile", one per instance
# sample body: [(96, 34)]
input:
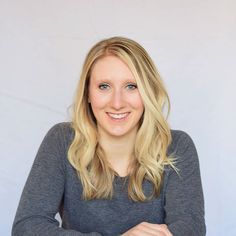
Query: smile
[(118, 116)]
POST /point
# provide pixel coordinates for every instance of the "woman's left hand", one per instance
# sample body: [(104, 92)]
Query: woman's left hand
[(146, 229), (163, 228)]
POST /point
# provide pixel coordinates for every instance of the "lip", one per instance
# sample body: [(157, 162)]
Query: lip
[(118, 119)]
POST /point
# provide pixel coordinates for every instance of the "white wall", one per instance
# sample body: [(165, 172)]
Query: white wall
[(42, 47)]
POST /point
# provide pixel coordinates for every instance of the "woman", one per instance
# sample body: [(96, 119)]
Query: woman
[(117, 168)]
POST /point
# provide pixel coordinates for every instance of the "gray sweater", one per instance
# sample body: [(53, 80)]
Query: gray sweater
[(53, 186)]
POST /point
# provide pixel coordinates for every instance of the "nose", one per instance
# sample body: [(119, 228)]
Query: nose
[(117, 100)]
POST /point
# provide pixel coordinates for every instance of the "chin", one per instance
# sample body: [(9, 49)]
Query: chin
[(119, 133)]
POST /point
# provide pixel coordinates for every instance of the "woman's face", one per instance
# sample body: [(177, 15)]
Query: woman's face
[(114, 97)]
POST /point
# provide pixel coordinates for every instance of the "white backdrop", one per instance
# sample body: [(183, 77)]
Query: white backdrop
[(43, 45)]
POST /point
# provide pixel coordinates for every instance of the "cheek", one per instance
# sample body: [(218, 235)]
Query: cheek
[(136, 102), (98, 102), (95, 99)]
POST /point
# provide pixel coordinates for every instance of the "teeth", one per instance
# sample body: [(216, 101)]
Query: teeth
[(118, 116)]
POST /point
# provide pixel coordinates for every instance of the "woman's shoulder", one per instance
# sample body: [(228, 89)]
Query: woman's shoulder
[(63, 132), (180, 139), (66, 126), (182, 147), (62, 127), (179, 135)]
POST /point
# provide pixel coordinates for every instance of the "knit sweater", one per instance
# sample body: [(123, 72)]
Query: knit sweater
[(53, 186)]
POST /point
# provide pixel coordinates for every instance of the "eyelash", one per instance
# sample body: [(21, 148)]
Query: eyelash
[(101, 86), (134, 86), (104, 86)]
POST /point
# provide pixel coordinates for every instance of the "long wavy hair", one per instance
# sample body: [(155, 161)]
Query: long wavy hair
[(153, 136)]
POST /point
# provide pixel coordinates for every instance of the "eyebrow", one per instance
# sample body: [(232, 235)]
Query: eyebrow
[(110, 80)]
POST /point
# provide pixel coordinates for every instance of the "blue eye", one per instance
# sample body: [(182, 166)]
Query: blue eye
[(131, 86), (103, 86)]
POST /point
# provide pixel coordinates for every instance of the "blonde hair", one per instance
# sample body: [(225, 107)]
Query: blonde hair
[(153, 137)]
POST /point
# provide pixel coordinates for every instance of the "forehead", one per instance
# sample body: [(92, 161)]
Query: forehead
[(111, 67)]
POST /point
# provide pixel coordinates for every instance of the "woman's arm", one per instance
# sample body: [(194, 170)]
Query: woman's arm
[(43, 192), (184, 203)]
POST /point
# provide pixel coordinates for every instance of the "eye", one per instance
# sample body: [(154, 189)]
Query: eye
[(131, 86), (103, 86)]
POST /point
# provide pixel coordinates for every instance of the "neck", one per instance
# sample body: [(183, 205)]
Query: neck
[(118, 150)]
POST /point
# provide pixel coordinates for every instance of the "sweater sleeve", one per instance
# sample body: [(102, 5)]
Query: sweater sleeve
[(43, 192), (184, 203)]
